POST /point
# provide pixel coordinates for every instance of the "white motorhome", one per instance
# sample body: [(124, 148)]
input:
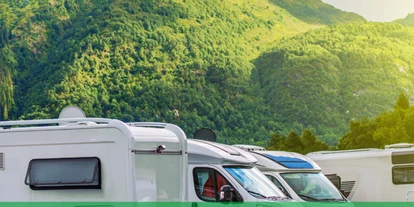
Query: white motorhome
[(213, 165), (78, 159), (296, 175), (373, 175)]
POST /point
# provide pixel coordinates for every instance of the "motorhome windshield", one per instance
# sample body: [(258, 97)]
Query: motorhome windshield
[(312, 186), (257, 184)]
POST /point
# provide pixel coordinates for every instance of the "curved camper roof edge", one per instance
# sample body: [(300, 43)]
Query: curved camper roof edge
[(130, 130), (201, 151), (350, 154)]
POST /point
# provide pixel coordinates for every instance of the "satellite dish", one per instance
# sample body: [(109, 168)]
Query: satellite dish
[(71, 112), (205, 134)]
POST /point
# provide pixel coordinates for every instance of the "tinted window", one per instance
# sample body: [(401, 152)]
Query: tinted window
[(64, 173), (403, 175)]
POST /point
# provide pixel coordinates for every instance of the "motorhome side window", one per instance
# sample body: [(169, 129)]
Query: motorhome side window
[(64, 173), (403, 175), (208, 183), (278, 184)]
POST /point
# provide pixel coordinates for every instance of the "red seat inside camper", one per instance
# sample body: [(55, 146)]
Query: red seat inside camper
[(208, 190)]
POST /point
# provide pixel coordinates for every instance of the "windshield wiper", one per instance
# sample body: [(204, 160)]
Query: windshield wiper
[(332, 199), (312, 198), (257, 194), (277, 198)]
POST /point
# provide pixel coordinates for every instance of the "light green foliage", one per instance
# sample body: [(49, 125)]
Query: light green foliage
[(317, 12), (408, 20)]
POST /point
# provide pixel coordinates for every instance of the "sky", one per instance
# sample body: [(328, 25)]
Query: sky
[(376, 10)]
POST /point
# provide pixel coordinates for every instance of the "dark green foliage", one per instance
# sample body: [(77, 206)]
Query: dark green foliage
[(324, 78), (317, 12), (391, 127), (402, 102), (304, 144)]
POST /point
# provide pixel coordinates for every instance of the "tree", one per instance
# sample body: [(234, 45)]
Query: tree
[(311, 143), (402, 102)]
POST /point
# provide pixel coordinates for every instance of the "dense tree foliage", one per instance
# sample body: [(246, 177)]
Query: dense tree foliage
[(179, 61), (188, 63), (391, 127), (324, 78), (304, 144)]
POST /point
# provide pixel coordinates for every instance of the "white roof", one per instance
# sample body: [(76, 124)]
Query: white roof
[(357, 153), (152, 134), (206, 152), (250, 147)]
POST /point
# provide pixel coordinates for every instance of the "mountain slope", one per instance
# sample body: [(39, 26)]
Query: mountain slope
[(408, 20), (317, 12), (175, 61), (326, 77), (179, 61)]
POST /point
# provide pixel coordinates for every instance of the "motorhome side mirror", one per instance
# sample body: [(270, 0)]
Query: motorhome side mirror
[(226, 193)]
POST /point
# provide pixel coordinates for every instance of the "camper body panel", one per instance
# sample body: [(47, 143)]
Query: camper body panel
[(92, 160), (367, 174), (107, 144)]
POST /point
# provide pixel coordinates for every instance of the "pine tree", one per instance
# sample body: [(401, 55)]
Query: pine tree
[(402, 102)]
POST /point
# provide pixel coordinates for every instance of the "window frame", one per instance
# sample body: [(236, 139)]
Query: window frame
[(58, 186), (271, 177), (401, 167), (215, 172)]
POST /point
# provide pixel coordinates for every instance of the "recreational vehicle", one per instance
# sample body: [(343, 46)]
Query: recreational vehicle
[(296, 175), (225, 173), (79, 159), (372, 175)]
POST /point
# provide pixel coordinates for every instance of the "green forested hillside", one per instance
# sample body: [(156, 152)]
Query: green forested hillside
[(408, 20), (179, 61), (317, 12), (324, 78)]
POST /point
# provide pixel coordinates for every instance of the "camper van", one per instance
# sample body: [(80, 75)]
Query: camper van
[(296, 175), (222, 173), (372, 175), (79, 159)]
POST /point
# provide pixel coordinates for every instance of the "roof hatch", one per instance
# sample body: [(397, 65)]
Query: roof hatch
[(290, 162)]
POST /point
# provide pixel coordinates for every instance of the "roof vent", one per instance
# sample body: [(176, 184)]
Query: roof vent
[(399, 145)]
